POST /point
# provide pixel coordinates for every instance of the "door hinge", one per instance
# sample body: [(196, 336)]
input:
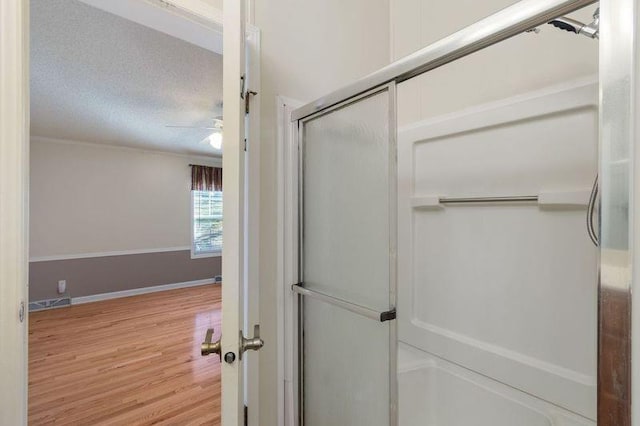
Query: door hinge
[(245, 144), (247, 99), (246, 94), (246, 416)]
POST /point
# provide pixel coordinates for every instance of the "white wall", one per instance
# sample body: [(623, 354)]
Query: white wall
[(215, 3), (90, 198), (526, 62), (309, 48)]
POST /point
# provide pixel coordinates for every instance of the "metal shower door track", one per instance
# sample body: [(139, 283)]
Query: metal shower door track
[(508, 22)]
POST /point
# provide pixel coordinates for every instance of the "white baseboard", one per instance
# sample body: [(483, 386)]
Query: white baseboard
[(136, 291)]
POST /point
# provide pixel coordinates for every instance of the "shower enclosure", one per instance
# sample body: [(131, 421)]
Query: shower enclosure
[(414, 302)]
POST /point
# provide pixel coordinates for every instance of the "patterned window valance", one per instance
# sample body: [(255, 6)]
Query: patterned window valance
[(205, 178)]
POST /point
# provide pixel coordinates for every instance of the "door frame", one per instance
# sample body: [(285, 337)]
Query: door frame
[(289, 305), (252, 228), (287, 265), (14, 209), (392, 188), (14, 188)]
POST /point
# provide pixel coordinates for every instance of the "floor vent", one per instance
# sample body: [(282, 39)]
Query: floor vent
[(41, 305), (217, 279)]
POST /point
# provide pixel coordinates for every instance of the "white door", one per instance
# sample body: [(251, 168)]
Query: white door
[(14, 148), (235, 340)]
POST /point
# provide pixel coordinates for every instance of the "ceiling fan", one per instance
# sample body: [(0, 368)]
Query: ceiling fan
[(215, 138)]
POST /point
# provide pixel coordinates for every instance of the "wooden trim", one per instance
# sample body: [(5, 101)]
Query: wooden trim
[(174, 18), (286, 265), (109, 254), (136, 291), (213, 160), (200, 10), (14, 208), (233, 253), (253, 171)]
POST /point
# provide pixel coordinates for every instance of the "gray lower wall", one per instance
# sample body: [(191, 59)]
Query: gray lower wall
[(96, 275)]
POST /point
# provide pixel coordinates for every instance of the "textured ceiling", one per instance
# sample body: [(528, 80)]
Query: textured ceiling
[(100, 78)]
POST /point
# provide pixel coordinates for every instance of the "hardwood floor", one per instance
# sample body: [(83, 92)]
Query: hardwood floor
[(129, 361)]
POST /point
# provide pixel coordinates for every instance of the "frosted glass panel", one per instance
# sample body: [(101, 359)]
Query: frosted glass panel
[(346, 244), (346, 203), (346, 367)]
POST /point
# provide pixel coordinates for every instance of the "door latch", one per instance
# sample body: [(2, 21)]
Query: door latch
[(21, 311), (251, 344), (208, 348)]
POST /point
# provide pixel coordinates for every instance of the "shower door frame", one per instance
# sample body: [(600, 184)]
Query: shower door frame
[(619, 108), (389, 315)]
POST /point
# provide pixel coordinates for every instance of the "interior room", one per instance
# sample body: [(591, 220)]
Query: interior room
[(125, 219), (430, 212)]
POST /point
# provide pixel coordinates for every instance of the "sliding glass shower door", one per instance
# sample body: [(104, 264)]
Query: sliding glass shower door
[(347, 285)]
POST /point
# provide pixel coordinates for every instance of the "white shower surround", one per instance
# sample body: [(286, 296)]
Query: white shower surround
[(480, 342), (434, 392)]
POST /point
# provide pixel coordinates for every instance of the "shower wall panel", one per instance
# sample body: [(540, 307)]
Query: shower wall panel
[(509, 290)]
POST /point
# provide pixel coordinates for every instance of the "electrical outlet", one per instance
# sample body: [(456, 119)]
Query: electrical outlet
[(62, 286)]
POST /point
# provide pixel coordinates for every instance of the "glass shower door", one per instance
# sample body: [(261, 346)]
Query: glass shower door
[(347, 342)]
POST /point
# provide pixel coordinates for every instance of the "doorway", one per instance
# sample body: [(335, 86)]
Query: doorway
[(198, 20), (125, 216)]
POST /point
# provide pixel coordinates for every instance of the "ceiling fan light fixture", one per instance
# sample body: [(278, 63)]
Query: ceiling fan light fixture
[(215, 140)]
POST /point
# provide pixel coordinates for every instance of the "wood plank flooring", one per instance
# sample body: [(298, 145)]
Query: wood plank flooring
[(129, 361)]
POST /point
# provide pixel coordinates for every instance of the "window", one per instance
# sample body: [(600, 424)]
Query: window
[(206, 223)]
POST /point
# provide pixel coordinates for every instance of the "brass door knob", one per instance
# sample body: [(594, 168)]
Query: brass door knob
[(251, 344), (208, 348)]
